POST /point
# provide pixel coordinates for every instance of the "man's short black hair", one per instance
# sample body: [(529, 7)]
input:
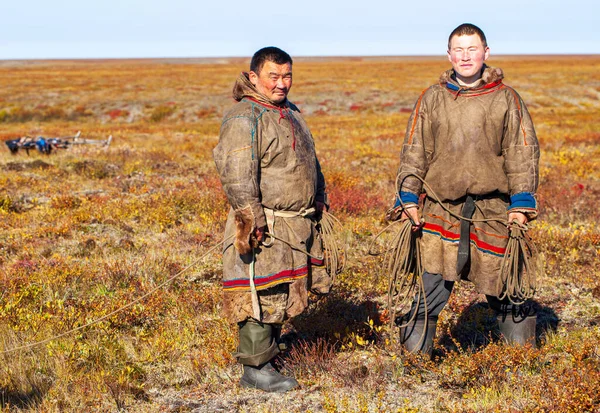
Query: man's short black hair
[(270, 54), (467, 29)]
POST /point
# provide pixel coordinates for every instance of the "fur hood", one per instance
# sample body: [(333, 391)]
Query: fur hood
[(490, 75), (243, 88)]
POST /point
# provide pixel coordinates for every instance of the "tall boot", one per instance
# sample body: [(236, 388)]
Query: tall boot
[(418, 335), (256, 350), (517, 330)]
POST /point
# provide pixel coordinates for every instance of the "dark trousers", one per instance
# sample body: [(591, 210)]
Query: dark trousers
[(437, 293)]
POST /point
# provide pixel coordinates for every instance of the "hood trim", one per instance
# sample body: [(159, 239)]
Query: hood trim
[(243, 88)]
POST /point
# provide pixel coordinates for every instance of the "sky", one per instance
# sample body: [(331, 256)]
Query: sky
[(63, 29)]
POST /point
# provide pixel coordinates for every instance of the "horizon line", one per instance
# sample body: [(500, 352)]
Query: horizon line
[(295, 57)]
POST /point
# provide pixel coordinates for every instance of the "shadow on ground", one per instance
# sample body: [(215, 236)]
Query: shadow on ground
[(477, 326), (20, 400), (333, 316)]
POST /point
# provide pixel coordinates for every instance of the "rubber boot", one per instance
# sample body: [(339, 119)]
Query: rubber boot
[(418, 335), (266, 378), (256, 350), (517, 330)]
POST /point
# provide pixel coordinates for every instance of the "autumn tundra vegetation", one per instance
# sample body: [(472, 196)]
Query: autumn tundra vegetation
[(88, 229)]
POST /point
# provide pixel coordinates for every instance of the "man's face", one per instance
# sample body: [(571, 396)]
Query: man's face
[(274, 81), (467, 55)]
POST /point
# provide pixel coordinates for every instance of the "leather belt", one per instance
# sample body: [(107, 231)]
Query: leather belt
[(270, 215), (304, 212), (465, 232)]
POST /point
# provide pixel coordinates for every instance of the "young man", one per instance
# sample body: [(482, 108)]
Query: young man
[(470, 137), (270, 173)]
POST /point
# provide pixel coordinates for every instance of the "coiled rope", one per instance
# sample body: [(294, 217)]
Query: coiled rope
[(402, 261), (334, 248), (519, 270)]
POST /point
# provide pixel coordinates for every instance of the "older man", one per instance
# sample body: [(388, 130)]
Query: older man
[(270, 173), (471, 138)]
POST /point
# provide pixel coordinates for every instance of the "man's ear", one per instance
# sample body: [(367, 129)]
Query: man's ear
[(486, 53), (253, 78)]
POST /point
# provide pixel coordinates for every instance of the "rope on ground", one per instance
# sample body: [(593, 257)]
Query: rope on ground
[(118, 310)]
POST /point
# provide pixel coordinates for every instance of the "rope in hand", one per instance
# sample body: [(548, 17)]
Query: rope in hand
[(519, 269), (518, 273), (120, 309), (402, 262), (334, 249)]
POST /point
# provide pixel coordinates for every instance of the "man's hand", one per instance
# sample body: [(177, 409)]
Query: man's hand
[(259, 234), (413, 215), (520, 217)]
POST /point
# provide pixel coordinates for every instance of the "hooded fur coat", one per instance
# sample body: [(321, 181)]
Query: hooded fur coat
[(266, 159), (477, 141)]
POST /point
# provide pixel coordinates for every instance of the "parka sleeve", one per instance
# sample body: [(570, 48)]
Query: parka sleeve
[(521, 156), (413, 158), (321, 195), (237, 159)]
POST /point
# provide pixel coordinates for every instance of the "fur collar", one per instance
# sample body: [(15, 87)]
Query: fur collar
[(489, 75), (243, 88)]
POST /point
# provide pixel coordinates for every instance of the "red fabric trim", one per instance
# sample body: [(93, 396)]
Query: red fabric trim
[(260, 281), (489, 88), (473, 237), (412, 129), (281, 109), (520, 116), (317, 262), (493, 84), (265, 104)]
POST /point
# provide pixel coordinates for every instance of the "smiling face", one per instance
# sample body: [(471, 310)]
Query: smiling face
[(467, 54), (273, 80)]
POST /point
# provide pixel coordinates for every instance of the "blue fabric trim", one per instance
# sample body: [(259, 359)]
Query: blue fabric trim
[(452, 86), (522, 200), (407, 198)]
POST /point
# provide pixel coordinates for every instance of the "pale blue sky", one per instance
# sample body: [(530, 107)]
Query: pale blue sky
[(37, 29)]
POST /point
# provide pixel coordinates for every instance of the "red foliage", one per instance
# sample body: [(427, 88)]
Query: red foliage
[(355, 200), (117, 113), (25, 265), (207, 113)]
